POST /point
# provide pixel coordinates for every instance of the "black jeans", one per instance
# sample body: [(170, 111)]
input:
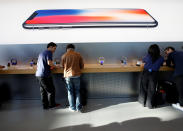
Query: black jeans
[(179, 85), (47, 90), (148, 88)]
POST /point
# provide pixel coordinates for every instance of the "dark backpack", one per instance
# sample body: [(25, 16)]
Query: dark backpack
[(169, 88)]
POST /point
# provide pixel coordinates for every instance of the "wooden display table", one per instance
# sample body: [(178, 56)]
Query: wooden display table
[(89, 68)]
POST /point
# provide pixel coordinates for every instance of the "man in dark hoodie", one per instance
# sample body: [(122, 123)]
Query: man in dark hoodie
[(175, 59)]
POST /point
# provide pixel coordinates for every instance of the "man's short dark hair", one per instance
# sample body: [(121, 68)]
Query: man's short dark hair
[(169, 47), (51, 44), (70, 46)]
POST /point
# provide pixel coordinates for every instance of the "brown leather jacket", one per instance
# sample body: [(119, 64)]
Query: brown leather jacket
[(72, 63)]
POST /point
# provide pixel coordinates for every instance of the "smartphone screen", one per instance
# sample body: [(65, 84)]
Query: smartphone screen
[(63, 18)]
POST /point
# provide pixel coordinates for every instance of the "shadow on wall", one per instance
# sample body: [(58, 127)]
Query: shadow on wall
[(83, 92), (141, 124), (5, 93), (63, 92)]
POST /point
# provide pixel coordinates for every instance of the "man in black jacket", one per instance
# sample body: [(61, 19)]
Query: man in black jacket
[(175, 59)]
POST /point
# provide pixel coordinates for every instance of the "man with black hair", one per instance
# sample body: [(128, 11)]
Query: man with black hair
[(72, 63), (175, 59), (43, 74)]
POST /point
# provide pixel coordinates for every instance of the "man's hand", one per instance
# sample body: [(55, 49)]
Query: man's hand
[(2, 66), (165, 55), (55, 67)]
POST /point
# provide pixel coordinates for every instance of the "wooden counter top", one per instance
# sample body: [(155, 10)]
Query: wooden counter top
[(89, 68)]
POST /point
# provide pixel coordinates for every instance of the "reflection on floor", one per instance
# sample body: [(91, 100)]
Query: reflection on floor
[(99, 115)]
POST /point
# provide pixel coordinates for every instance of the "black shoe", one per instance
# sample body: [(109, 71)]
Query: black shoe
[(55, 106), (45, 107), (151, 107)]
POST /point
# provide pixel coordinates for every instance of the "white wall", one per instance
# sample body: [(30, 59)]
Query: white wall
[(13, 13)]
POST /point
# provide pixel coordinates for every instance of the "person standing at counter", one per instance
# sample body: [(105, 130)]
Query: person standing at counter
[(72, 63), (175, 59), (43, 74), (152, 62)]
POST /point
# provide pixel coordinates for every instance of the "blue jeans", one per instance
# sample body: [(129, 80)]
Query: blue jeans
[(73, 88)]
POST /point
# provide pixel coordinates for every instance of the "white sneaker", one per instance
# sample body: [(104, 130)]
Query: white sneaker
[(70, 109), (79, 111), (177, 106)]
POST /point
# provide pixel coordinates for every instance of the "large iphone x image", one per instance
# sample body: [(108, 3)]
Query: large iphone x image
[(72, 18)]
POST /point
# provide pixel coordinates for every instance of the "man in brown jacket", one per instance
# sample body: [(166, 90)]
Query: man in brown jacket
[(72, 63)]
